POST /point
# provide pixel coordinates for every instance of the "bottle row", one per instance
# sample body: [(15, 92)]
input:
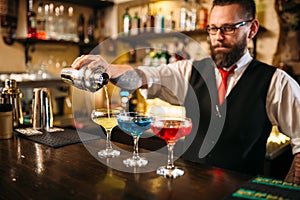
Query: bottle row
[(160, 54), (52, 22), (193, 15)]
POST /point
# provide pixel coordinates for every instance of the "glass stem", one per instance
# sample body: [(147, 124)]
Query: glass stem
[(170, 156), (108, 142), (135, 147)]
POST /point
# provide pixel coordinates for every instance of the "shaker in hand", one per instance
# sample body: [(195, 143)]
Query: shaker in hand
[(85, 78)]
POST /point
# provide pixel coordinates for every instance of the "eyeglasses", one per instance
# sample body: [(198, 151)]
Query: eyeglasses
[(226, 29)]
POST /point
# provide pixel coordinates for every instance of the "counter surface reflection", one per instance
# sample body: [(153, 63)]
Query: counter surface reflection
[(32, 171)]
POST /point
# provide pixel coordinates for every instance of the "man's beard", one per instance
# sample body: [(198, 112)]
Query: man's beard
[(226, 60)]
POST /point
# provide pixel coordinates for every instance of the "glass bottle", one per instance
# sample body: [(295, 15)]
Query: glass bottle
[(172, 50), (147, 58), (56, 27), (31, 21), (126, 22), (156, 56), (159, 23), (183, 16), (71, 26), (143, 19), (91, 29), (170, 22), (202, 16), (150, 20), (41, 21), (80, 27), (181, 53), (164, 56), (49, 16), (135, 24), (193, 11), (60, 22)]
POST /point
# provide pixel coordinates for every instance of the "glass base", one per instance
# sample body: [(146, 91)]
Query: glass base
[(108, 153), (135, 162), (169, 173)]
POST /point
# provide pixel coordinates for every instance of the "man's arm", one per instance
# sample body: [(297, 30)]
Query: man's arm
[(131, 80), (293, 175), (283, 107)]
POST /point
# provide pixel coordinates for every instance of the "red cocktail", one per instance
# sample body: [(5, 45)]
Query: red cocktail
[(171, 129)]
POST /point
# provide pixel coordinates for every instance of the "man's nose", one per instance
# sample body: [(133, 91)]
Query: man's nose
[(219, 35)]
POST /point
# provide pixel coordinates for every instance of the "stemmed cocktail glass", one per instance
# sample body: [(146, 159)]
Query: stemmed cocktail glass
[(171, 129), (107, 118), (135, 124)]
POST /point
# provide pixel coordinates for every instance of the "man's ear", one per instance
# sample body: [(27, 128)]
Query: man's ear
[(253, 29)]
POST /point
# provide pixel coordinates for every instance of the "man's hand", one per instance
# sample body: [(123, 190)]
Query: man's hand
[(293, 175), (95, 61), (91, 60)]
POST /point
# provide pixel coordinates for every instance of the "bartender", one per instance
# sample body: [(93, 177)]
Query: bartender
[(246, 96)]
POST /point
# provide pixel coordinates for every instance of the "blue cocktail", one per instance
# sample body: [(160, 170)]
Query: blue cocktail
[(135, 124)]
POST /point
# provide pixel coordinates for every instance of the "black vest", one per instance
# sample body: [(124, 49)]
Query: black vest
[(236, 132)]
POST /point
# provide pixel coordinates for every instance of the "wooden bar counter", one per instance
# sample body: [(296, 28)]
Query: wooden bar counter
[(29, 170)]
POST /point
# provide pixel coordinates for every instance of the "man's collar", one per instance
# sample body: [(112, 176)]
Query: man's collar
[(244, 60)]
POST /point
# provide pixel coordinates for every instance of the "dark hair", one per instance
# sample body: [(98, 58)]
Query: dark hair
[(247, 5)]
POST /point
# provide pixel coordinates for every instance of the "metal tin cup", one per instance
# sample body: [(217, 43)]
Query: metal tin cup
[(42, 114), (6, 121)]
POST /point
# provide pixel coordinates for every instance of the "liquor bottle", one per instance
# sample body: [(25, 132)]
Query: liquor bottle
[(71, 26), (150, 20), (164, 56), (181, 53), (55, 23), (184, 54), (133, 101), (172, 58), (202, 16), (191, 15), (193, 11), (49, 16), (41, 22), (63, 21), (156, 56), (135, 27), (159, 23), (170, 22), (172, 49), (261, 11), (183, 16), (59, 21), (80, 27), (136, 102), (31, 21), (85, 78), (91, 29), (124, 94), (147, 59), (126, 22), (143, 19)]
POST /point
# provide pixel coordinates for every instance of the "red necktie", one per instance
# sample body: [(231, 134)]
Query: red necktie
[(223, 86)]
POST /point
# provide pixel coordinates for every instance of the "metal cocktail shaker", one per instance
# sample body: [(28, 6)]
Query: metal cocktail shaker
[(86, 79), (11, 94), (42, 114)]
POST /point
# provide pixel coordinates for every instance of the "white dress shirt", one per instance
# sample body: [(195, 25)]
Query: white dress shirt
[(170, 83)]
